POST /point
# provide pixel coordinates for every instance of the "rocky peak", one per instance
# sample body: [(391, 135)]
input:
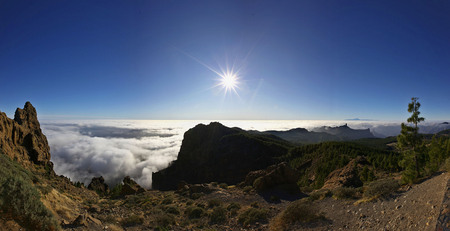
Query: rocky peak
[(22, 138), (27, 116), (218, 153)]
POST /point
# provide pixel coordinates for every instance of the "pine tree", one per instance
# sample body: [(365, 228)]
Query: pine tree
[(410, 143)]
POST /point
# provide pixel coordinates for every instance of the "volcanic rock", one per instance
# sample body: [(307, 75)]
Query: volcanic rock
[(22, 139), (98, 184), (275, 175), (345, 177), (130, 187)]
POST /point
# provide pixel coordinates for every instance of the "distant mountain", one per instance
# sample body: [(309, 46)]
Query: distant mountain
[(322, 134)]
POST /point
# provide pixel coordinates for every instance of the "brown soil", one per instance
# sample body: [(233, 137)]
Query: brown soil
[(416, 208)]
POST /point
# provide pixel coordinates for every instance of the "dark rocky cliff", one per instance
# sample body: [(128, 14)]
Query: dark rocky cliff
[(217, 153), (22, 139)]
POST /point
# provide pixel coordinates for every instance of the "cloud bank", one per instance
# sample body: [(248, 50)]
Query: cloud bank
[(82, 150)]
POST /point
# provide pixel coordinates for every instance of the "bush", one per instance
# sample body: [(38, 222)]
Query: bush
[(253, 215), (447, 164), (172, 210), (298, 211), (194, 212), (345, 193), (233, 208), (218, 215), (319, 194), (223, 185), (381, 188), (133, 220), (116, 190), (247, 189), (164, 220), (21, 199), (214, 202)]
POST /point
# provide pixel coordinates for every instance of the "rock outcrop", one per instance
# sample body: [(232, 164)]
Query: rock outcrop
[(130, 187), (345, 177), (22, 139), (98, 185), (273, 176), (344, 132), (217, 153)]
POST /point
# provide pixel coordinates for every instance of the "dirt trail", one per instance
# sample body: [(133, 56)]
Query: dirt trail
[(416, 209)]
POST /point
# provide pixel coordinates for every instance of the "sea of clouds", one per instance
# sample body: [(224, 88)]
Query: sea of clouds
[(114, 149)]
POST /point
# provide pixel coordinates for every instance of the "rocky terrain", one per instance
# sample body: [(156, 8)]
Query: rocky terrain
[(357, 192)]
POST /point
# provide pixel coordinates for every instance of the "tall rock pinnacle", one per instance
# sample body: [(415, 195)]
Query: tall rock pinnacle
[(22, 138)]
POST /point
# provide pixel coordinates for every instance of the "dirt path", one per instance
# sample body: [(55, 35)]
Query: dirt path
[(416, 209)]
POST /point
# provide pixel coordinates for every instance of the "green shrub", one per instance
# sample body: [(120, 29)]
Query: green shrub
[(218, 215), (214, 202), (172, 210), (233, 208), (133, 220), (319, 194), (194, 212), (447, 164), (298, 211), (247, 189), (116, 190), (381, 188), (21, 199), (164, 220), (253, 215), (345, 193)]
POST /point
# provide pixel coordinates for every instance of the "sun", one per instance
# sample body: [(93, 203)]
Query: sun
[(229, 81)]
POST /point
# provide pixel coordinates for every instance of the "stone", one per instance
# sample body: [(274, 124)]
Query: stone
[(345, 177), (275, 175), (130, 187)]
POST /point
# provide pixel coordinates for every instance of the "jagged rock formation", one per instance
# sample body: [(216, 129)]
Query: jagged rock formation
[(347, 176), (217, 153), (273, 176), (130, 187), (22, 139), (98, 184), (322, 134), (345, 132)]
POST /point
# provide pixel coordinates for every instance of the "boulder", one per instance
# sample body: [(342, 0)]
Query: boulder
[(345, 177), (22, 138), (274, 176), (130, 187)]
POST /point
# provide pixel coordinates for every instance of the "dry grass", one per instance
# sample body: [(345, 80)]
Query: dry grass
[(300, 211)]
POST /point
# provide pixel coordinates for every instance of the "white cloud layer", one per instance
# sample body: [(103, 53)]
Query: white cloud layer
[(115, 149)]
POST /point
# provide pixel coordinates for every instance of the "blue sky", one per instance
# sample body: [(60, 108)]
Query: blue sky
[(296, 59)]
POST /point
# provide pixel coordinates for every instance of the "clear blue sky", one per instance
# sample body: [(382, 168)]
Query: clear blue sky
[(297, 59)]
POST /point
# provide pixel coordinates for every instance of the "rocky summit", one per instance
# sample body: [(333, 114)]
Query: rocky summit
[(217, 153), (22, 139)]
